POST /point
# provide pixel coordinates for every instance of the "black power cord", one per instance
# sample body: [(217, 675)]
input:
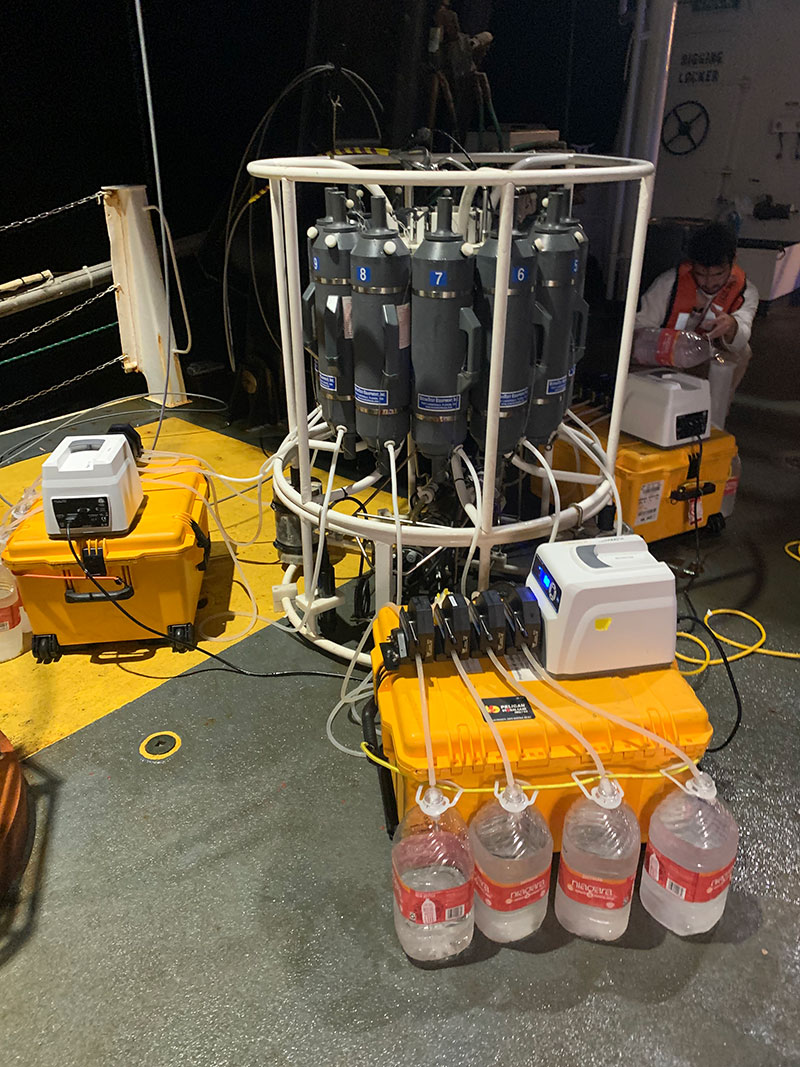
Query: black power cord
[(227, 665), (736, 695)]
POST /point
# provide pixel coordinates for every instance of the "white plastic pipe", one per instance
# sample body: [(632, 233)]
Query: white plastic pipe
[(559, 475)]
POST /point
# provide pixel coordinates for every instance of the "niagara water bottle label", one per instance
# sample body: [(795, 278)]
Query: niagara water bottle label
[(9, 617), (403, 325), (692, 886), (731, 486), (327, 381), (347, 317), (376, 398), (428, 402), (667, 339), (363, 274), (556, 385), (434, 906), (608, 893), (511, 897), (437, 278), (513, 399), (695, 511)]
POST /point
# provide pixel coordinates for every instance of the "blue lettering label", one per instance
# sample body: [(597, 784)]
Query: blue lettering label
[(426, 402), (363, 274), (315, 261), (376, 398), (575, 265), (327, 381), (438, 278), (514, 399), (519, 274), (556, 385)]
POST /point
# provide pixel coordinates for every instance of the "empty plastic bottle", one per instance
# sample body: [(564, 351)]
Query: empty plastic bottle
[(689, 859), (599, 854), (10, 620), (513, 851), (670, 348), (432, 870), (731, 486)]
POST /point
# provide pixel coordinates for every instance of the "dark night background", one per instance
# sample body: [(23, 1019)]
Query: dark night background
[(73, 118)]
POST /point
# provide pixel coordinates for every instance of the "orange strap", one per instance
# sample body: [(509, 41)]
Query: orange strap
[(684, 294)]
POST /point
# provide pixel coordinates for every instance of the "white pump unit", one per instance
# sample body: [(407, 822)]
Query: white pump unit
[(607, 605), (91, 485), (667, 407)]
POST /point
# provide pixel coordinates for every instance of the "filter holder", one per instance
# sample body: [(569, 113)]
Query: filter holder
[(513, 804), (603, 800)]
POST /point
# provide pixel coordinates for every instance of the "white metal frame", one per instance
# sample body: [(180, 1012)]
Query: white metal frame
[(283, 175)]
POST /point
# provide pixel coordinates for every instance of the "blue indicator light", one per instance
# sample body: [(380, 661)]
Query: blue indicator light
[(546, 581)]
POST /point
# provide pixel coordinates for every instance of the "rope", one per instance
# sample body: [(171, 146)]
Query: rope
[(55, 344)]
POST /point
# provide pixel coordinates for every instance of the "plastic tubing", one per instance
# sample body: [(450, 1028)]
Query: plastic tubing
[(548, 470), (548, 713), (577, 439), (473, 692), (478, 511), (539, 670), (311, 590), (559, 475), (426, 722), (390, 448)]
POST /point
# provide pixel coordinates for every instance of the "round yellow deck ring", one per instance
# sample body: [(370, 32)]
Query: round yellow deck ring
[(159, 755)]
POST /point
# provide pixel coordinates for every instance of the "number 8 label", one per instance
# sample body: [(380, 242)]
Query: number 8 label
[(363, 274)]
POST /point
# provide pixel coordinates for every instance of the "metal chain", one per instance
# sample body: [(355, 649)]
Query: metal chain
[(59, 318), (62, 385), (53, 211)]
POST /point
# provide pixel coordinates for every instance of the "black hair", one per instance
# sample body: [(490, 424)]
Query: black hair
[(712, 245)]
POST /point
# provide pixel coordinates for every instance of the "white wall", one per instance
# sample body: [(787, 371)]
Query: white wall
[(761, 42)]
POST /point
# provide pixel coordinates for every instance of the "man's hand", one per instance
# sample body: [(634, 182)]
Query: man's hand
[(723, 328)]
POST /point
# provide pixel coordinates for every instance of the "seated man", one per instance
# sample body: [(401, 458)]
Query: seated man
[(707, 294)]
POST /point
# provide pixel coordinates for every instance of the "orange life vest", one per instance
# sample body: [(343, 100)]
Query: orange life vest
[(683, 299)]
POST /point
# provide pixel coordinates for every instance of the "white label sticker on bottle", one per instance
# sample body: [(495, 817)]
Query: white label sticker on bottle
[(404, 325), (556, 385), (649, 502), (347, 316)]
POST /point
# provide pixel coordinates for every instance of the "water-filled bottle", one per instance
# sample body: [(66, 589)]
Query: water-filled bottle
[(432, 871), (599, 854), (692, 846), (513, 851), (10, 619)]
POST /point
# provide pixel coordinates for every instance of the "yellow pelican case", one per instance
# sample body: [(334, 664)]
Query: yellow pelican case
[(159, 564)]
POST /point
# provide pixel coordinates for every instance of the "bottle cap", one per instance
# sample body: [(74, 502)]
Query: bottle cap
[(702, 786), (607, 794), (513, 799), (433, 801)]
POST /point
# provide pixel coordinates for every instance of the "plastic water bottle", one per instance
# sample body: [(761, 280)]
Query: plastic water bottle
[(731, 486), (670, 348), (10, 620), (513, 850), (599, 854), (432, 872), (689, 859)]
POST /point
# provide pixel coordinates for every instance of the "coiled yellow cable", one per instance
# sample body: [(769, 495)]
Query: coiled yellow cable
[(745, 650)]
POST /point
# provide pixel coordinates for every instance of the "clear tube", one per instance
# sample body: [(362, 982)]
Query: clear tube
[(426, 723), (501, 748), (577, 439), (390, 448), (478, 511), (548, 470)]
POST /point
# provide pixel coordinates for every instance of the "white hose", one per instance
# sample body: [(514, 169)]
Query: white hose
[(597, 710), (478, 511), (311, 590), (426, 723), (548, 470), (559, 475), (473, 692), (591, 453), (361, 691), (548, 712), (390, 448)]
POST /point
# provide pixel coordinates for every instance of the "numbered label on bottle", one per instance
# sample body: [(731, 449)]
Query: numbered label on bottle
[(438, 278), (363, 274), (519, 274), (315, 262)]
